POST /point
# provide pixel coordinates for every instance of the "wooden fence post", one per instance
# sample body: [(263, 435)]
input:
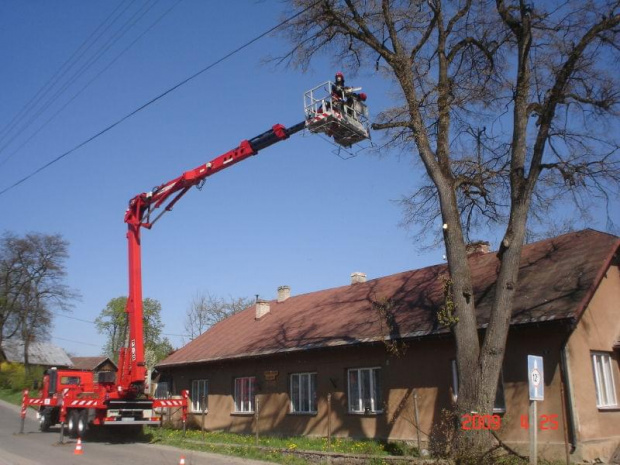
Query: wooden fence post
[(204, 408), (417, 418), (256, 416), (329, 419)]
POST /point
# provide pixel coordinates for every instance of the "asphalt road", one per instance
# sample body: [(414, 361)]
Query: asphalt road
[(36, 448)]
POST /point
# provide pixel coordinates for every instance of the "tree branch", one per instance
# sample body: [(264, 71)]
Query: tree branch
[(511, 21), (557, 93), (395, 124), (389, 22), (467, 42), (462, 12), (425, 37)]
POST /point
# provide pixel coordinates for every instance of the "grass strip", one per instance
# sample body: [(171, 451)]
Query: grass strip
[(287, 450), (338, 445), (11, 396)]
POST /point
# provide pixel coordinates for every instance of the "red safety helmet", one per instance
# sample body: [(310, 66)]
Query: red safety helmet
[(339, 75), (363, 96)]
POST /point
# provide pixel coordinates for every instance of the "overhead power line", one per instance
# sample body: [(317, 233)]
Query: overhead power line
[(93, 323), (42, 96), (85, 86), (71, 340), (56, 77), (74, 318), (155, 99)]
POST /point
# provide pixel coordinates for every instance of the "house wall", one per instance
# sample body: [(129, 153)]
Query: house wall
[(107, 366), (400, 377), (545, 341), (598, 430), (423, 372)]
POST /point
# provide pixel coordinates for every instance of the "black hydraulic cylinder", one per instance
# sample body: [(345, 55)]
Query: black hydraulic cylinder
[(270, 137), (296, 128)]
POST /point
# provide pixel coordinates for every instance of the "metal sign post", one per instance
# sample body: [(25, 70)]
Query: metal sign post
[(536, 380), (533, 434), (23, 411)]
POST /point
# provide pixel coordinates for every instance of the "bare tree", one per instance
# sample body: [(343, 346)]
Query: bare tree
[(33, 278), (205, 310), (12, 277), (508, 105)]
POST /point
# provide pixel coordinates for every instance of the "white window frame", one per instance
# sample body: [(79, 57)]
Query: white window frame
[(199, 389), (499, 392), (310, 402), (604, 382), (242, 406), (375, 372)]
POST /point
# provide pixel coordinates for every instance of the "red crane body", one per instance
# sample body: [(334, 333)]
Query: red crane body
[(78, 399), (138, 215), (81, 401), (123, 402)]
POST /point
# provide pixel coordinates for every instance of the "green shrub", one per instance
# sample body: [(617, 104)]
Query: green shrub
[(13, 376)]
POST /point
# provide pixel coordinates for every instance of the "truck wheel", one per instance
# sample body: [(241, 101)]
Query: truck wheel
[(82, 423), (72, 423), (45, 420)]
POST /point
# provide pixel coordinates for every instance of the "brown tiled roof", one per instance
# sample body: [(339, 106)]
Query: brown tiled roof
[(89, 363), (556, 280)]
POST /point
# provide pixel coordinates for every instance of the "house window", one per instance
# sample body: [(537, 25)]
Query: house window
[(303, 392), (199, 394), (162, 391), (365, 390), (604, 380), (244, 394), (500, 399)]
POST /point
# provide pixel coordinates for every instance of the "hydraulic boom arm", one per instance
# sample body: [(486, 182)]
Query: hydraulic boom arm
[(138, 215)]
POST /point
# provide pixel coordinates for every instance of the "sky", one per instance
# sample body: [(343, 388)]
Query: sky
[(297, 214)]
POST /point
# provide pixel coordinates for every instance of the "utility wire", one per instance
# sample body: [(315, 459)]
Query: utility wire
[(51, 82), (81, 70), (73, 318), (71, 340), (152, 101), (58, 78), (94, 78), (90, 61), (75, 76), (93, 323)]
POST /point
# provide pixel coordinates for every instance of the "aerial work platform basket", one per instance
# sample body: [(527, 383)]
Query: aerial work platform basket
[(346, 120)]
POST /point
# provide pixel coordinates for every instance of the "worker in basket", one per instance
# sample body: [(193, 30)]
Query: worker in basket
[(344, 97)]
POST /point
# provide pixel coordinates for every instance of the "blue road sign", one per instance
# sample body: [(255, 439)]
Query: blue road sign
[(536, 377)]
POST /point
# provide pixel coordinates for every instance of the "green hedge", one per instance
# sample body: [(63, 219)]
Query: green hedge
[(13, 376)]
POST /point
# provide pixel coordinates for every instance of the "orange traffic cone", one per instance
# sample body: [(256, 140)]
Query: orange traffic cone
[(78, 448), (182, 461)]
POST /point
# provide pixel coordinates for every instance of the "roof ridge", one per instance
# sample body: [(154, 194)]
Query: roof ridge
[(347, 313), (570, 233)]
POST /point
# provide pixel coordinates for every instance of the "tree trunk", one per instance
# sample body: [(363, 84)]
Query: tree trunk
[(26, 360)]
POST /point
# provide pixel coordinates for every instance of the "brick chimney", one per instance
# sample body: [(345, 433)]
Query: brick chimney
[(478, 247), (358, 277), (284, 292), (262, 308)]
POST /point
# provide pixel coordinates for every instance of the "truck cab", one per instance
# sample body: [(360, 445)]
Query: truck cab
[(55, 383)]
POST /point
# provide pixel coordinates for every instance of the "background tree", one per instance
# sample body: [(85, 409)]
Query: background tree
[(12, 276), (510, 108), (205, 310), (32, 284), (112, 322)]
